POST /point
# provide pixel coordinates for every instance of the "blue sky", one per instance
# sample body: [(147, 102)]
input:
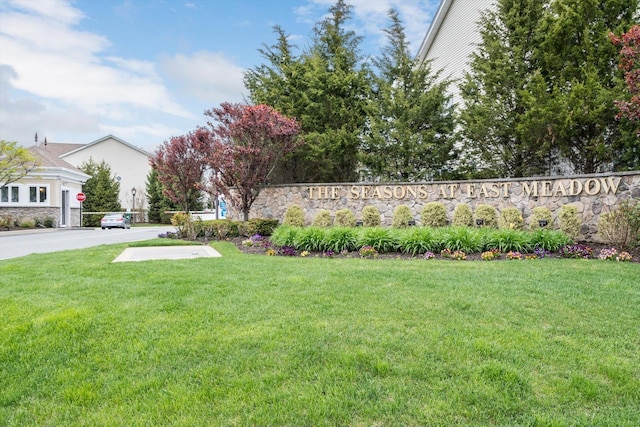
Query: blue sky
[(146, 70)]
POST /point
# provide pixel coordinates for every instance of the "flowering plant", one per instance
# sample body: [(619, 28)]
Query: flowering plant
[(445, 253), (459, 256), (624, 257), (541, 253), (328, 254), (514, 255), (429, 255), (575, 251), (608, 254), (287, 251), (490, 254), (304, 253), (368, 252)]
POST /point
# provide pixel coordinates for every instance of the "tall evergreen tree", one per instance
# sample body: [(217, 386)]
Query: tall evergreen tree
[(579, 65), (102, 191), (507, 112), (158, 202), (325, 89), (409, 132)]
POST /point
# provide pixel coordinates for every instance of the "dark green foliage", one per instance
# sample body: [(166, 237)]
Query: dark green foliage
[(340, 239), (379, 238), (312, 239), (419, 240), (102, 191), (466, 239), (550, 240), (158, 203), (285, 235), (508, 239), (409, 134)]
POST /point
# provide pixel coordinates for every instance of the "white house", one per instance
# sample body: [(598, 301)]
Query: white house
[(47, 193), (453, 37), (128, 163)]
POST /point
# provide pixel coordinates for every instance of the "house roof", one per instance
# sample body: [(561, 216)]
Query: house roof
[(80, 147), (48, 157), (433, 29), (51, 165)]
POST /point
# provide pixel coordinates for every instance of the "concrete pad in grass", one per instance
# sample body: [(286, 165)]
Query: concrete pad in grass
[(166, 252)]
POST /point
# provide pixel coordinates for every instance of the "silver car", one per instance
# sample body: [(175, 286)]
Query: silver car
[(115, 220)]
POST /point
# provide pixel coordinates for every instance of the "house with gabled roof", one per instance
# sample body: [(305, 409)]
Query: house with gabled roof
[(46, 193), (128, 163)]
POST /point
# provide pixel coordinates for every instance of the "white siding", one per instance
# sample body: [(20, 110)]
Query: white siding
[(451, 44), (131, 165)]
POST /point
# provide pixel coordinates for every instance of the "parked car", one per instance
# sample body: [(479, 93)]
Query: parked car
[(115, 220)]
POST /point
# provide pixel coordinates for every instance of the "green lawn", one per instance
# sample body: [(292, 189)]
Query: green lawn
[(248, 340)]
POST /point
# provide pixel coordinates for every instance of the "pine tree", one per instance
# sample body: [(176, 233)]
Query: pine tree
[(409, 133), (158, 202), (102, 191), (507, 112)]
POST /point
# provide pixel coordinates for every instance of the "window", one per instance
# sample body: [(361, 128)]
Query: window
[(13, 192), (37, 194)]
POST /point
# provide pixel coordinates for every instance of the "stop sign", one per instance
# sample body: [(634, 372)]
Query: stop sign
[(81, 197)]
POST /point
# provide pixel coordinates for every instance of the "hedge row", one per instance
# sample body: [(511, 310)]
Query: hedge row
[(417, 240)]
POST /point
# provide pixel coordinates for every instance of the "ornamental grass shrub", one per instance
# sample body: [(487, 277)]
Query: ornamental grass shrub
[(568, 220), (511, 218), (621, 227), (420, 240), (371, 216), (312, 239), (434, 214), (285, 235), (462, 216), (401, 217), (344, 218), (322, 219), (487, 214), (382, 239), (338, 239), (540, 213), (294, 216)]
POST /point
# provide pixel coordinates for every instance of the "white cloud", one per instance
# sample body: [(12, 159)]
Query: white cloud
[(54, 60), (207, 76)]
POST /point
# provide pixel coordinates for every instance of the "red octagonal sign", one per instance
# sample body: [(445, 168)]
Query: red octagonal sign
[(81, 197)]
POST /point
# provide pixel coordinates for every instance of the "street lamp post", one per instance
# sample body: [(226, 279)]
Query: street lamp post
[(133, 207)]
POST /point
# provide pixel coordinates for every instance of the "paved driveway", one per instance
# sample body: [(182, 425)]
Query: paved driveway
[(17, 244)]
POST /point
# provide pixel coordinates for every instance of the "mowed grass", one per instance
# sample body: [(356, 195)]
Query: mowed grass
[(273, 341)]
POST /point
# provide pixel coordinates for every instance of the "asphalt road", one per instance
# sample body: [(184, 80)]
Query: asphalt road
[(17, 244)]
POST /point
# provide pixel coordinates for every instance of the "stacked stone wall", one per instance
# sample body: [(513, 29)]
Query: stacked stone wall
[(32, 213), (592, 195)]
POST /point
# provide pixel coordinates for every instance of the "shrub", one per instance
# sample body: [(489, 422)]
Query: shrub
[(6, 221), (217, 229), (568, 220), (419, 240), (469, 240), (511, 218), (371, 216), (294, 216), (311, 239), (540, 213), (462, 216), (434, 214), (507, 239), (184, 225), (401, 216), (322, 219), (382, 239), (344, 218), (488, 215), (261, 226), (621, 227), (549, 240), (27, 223), (49, 222), (285, 235), (340, 239)]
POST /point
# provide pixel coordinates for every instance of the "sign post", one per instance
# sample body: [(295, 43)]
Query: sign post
[(81, 197)]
